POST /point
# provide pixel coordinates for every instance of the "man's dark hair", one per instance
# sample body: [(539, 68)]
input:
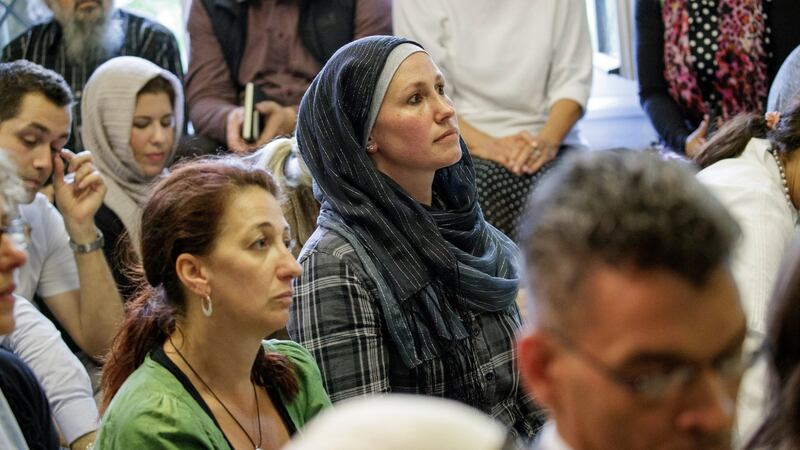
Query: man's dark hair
[(619, 208), (19, 78)]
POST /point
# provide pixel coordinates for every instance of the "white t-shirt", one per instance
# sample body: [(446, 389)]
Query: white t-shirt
[(51, 267), (505, 62)]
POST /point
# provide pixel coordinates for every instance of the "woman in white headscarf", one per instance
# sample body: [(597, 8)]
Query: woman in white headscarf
[(132, 116)]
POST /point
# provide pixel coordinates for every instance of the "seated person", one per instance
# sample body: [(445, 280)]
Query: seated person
[(281, 158), (752, 165), (64, 267), (405, 287), (700, 66), (636, 334), (82, 35), (280, 46), (189, 367), (132, 117), (519, 118), (37, 342), (399, 421), (778, 426), (25, 419)]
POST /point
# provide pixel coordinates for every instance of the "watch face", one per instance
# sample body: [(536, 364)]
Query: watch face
[(90, 247)]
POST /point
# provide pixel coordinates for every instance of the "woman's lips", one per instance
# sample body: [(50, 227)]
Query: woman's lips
[(450, 134), (155, 157)]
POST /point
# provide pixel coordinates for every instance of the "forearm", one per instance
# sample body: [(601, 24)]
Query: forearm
[(62, 376), (477, 141), (210, 92), (663, 111), (561, 118), (209, 116), (101, 308), (667, 120)]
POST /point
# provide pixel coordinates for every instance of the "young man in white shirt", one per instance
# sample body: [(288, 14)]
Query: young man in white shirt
[(75, 284), (637, 330), (65, 266)]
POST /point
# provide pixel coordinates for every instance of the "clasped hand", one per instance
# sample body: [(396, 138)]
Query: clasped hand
[(521, 153), (278, 120)]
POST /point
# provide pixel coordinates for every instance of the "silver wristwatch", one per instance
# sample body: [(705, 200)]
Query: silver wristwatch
[(97, 244)]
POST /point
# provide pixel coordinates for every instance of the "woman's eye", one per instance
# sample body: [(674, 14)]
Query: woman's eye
[(414, 99), (168, 122), (290, 244), (440, 89), (141, 124), (259, 244)]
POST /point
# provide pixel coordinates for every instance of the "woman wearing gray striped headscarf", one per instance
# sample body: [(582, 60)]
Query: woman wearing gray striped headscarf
[(132, 116), (405, 287)]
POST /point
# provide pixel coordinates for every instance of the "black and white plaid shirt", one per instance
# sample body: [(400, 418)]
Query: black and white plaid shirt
[(43, 44), (336, 316)]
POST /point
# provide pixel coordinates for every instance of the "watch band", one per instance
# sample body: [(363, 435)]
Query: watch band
[(97, 244)]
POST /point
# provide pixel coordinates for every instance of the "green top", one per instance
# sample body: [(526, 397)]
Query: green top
[(152, 409)]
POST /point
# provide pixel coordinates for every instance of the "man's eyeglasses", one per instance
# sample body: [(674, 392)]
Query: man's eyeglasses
[(659, 385), (19, 231)]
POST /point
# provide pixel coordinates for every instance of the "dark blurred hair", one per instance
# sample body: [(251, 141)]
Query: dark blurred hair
[(621, 208), (781, 426), (158, 85), (731, 140), (22, 77), (183, 215)]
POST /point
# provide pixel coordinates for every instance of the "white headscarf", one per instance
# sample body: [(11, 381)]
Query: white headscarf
[(109, 101)]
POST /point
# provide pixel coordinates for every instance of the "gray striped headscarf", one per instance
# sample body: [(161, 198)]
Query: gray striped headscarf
[(433, 262)]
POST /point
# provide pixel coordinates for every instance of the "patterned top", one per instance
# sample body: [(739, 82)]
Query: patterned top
[(43, 45), (336, 316)]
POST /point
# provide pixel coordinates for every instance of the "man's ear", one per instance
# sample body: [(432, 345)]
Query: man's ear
[(192, 273), (536, 355)]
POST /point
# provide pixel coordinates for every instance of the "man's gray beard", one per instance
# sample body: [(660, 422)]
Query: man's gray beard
[(92, 40)]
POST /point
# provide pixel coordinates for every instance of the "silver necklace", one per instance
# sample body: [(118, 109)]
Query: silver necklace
[(783, 178), (258, 411)]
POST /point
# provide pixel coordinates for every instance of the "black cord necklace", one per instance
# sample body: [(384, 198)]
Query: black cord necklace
[(255, 395)]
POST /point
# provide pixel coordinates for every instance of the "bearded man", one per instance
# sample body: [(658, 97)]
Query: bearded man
[(81, 35)]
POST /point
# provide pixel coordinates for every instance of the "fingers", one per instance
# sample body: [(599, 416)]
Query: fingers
[(521, 154), (233, 131), (91, 181), (267, 107), (82, 172), (58, 170), (280, 120), (275, 122), (703, 128)]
